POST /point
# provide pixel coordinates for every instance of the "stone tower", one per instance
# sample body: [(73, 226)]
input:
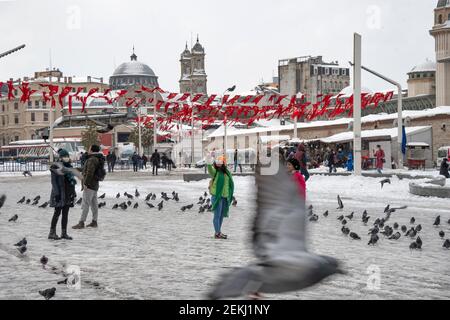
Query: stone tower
[(441, 33), (193, 74)]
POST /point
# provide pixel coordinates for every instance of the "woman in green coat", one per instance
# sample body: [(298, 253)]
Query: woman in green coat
[(222, 190)]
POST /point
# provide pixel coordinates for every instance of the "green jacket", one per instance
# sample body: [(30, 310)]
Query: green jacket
[(222, 187)]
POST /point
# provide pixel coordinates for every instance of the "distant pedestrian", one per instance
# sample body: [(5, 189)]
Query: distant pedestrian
[(164, 161), (93, 173), (145, 160), (350, 162), (110, 159), (380, 159), (331, 161), (302, 158), (169, 163), (236, 161), (135, 161), (444, 169), (62, 196), (155, 159)]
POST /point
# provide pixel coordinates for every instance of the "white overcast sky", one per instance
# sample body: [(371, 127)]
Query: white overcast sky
[(244, 39)]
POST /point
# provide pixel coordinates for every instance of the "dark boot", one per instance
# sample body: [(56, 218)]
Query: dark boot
[(93, 224), (65, 236), (79, 226), (52, 235)]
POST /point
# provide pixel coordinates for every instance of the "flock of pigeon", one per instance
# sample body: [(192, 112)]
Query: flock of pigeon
[(204, 202), (380, 227)]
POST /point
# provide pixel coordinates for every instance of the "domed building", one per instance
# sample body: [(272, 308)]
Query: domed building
[(422, 79), (133, 73)]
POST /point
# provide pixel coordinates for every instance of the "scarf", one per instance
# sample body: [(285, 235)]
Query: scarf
[(69, 175)]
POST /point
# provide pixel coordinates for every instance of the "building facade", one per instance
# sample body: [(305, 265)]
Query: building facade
[(441, 33), (422, 80), (193, 72), (311, 76), (19, 121)]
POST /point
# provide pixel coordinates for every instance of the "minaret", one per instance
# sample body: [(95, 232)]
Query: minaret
[(198, 66), (441, 33)]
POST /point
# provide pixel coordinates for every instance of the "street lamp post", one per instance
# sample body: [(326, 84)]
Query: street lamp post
[(225, 120)]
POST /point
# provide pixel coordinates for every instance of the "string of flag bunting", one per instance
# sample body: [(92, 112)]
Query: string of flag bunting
[(174, 108)]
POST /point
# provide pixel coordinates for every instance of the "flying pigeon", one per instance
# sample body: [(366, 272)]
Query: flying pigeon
[(21, 200), (279, 244), (383, 182)]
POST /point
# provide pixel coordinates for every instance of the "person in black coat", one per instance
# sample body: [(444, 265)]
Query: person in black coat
[(135, 160), (331, 160), (444, 169), (155, 160), (62, 197)]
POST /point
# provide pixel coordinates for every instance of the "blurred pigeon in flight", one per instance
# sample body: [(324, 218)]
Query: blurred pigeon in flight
[(279, 244)]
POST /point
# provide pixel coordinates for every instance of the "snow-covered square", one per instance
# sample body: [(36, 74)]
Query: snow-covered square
[(169, 254)]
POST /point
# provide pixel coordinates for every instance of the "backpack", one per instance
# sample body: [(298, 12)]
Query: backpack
[(100, 172)]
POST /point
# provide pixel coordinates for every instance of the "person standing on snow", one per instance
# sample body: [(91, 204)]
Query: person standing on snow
[(293, 167), (380, 159), (62, 196), (93, 172), (155, 159), (444, 169), (300, 155), (221, 189)]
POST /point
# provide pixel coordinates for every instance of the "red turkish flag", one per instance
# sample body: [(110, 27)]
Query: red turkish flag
[(11, 95), (26, 92)]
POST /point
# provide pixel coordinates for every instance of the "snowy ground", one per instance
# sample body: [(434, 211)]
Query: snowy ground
[(146, 254)]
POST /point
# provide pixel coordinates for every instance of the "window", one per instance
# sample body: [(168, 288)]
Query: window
[(16, 106), (327, 71), (448, 17), (45, 116), (16, 119), (30, 104), (33, 117), (3, 121), (3, 108), (44, 104), (36, 103), (16, 138), (440, 19)]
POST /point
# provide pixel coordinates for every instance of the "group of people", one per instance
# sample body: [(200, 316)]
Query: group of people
[(157, 161), (63, 194)]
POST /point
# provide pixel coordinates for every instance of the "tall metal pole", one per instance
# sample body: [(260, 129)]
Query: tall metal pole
[(155, 141), (400, 126), (193, 132), (357, 104), (140, 131)]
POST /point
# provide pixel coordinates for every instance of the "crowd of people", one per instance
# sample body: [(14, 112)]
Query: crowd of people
[(311, 156)]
